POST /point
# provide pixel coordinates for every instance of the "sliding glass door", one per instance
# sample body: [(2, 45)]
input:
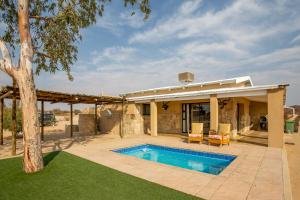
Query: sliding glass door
[(195, 112)]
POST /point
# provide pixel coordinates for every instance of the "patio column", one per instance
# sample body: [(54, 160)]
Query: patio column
[(234, 117), (275, 117), (247, 116), (153, 118), (214, 112)]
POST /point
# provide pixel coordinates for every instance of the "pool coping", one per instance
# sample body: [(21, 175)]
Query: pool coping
[(244, 178), (181, 150)]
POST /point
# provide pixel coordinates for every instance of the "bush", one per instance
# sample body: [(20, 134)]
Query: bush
[(7, 119)]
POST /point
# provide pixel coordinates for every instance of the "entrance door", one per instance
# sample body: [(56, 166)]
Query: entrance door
[(201, 113), (196, 112), (186, 122)]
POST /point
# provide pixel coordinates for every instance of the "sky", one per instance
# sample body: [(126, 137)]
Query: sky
[(213, 39)]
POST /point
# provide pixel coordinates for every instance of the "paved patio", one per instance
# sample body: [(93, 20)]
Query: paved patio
[(257, 173)]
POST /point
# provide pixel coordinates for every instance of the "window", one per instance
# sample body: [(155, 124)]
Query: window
[(146, 109)]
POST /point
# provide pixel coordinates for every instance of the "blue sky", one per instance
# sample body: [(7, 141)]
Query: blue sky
[(212, 38)]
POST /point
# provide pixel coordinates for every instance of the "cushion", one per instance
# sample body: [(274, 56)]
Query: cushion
[(195, 135), (219, 137)]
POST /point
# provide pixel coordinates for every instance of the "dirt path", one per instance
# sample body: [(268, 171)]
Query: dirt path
[(293, 154)]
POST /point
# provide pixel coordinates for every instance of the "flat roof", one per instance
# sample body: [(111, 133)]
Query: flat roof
[(222, 81), (61, 97), (203, 94)]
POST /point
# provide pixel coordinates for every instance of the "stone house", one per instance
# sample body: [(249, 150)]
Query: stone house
[(171, 110)]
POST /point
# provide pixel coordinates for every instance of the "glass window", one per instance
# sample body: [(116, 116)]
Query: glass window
[(146, 109)]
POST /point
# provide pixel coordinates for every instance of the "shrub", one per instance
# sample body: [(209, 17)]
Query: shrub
[(7, 119)]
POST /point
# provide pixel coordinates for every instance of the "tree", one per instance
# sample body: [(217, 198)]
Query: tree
[(44, 34)]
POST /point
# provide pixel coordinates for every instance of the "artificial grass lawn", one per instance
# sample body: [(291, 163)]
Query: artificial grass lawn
[(69, 177)]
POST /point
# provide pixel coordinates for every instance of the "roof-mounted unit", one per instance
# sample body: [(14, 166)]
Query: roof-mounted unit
[(186, 77)]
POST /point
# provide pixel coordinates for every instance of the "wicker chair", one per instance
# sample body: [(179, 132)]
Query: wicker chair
[(222, 136), (197, 133)]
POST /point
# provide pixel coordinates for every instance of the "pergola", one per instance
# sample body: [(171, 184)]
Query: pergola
[(11, 92)]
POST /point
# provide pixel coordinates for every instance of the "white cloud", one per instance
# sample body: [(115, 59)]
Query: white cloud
[(189, 7), (113, 54), (244, 21), (134, 21), (296, 39), (228, 49), (115, 22)]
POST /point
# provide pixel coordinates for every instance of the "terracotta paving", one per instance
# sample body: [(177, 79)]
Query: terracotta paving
[(257, 172)]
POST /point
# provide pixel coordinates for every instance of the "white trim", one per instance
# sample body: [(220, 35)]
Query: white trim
[(205, 94), (243, 94), (223, 81)]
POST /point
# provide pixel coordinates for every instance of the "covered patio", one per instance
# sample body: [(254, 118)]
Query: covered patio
[(241, 107), (12, 93)]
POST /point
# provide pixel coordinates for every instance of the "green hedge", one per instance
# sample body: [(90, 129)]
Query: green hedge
[(7, 119)]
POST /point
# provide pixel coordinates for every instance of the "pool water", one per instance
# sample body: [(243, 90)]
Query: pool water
[(211, 163)]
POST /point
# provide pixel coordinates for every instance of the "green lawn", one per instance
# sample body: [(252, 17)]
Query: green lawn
[(69, 177)]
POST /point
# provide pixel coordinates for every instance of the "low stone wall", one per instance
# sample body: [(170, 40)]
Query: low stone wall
[(111, 119), (68, 128), (86, 123)]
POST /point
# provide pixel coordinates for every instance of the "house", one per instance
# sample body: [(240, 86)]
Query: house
[(172, 109)]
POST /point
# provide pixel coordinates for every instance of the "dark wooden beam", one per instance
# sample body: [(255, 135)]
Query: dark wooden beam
[(96, 119), (71, 119), (14, 121), (1, 120), (122, 118), (42, 120), (6, 94)]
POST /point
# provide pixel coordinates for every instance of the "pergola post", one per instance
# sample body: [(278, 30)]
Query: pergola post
[(96, 119), (1, 121), (42, 120), (71, 119), (14, 120), (122, 119), (153, 117), (214, 112)]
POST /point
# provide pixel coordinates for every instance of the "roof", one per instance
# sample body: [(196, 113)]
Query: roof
[(222, 81), (203, 94), (60, 97)]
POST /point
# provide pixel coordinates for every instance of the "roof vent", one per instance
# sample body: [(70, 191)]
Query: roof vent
[(186, 77)]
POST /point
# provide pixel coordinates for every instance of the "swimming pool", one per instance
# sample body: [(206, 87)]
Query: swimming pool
[(207, 162)]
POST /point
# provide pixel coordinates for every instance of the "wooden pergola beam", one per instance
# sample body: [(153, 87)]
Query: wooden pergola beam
[(56, 97), (14, 121), (1, 120), (71, 119), (6, 95), (42, 120), (96, 119)]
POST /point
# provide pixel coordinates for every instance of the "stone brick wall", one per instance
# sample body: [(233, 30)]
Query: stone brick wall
[(111, 119), (169, 120), (86, 124), (257, 109)]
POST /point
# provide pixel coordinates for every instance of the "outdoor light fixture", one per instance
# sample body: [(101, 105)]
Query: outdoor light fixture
[(223, 102), (165, 105)]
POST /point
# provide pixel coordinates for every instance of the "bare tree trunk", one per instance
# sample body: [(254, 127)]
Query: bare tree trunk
[(33, 160), (23, 74)]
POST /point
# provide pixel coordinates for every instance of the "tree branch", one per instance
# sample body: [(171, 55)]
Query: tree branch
[(42, 54), (6, 63), (41, 18)]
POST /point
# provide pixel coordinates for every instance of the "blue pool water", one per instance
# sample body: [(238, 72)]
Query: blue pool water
[(211, 163)]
